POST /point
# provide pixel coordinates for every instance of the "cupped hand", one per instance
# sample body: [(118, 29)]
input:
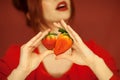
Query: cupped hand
[(30, 60), (80, 54)]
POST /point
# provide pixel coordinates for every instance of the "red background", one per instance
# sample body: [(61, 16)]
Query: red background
[(95, 19)]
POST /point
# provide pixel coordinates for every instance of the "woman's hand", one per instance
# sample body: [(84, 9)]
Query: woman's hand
[(82, 55), (29, 60)]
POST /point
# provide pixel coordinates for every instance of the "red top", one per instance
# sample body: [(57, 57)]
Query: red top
[(77, 72)]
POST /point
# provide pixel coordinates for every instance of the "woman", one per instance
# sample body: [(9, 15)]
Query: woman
[(32, 61)]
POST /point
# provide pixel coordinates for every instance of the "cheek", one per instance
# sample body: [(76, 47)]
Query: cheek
[(44, 7), (47, 8)]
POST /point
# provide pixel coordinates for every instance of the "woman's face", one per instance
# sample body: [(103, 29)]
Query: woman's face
[(55, 10)]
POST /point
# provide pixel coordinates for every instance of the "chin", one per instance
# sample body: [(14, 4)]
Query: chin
[(57, 18), (61, 17)]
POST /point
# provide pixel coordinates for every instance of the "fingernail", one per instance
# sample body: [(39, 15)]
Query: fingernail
[(49, 29), (57, 58), (54, 23)]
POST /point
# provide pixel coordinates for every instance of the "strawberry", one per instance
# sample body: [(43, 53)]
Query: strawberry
[(63, 43), (49, 40)]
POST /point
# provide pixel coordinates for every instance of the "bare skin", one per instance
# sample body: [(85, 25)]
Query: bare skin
[(29, 60), (80, 54)]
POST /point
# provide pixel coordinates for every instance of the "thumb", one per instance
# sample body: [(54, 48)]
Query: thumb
[(64, 56), (46, 53)]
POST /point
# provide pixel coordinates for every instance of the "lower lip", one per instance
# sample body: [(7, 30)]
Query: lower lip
[(63, 9)]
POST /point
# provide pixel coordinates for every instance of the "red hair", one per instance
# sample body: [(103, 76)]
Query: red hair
[(34, 8)]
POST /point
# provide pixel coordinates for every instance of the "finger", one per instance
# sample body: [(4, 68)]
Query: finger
[(61, 25), (37, 42), (30, 42), (67, 29), (64, 56), (28, 47), (71, 32), (67, 57), (46, 53), (57, 25)]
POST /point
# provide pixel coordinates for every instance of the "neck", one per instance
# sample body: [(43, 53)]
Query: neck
[(51, 26)]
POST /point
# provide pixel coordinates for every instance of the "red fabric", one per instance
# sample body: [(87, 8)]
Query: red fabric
[(77, 72), (114, 77)]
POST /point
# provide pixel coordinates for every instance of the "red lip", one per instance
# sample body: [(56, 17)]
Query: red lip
[(62, 6)]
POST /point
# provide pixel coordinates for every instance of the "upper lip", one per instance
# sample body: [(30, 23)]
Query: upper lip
[(61, 4)]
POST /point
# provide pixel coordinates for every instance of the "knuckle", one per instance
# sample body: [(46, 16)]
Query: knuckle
[(24, 46)]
